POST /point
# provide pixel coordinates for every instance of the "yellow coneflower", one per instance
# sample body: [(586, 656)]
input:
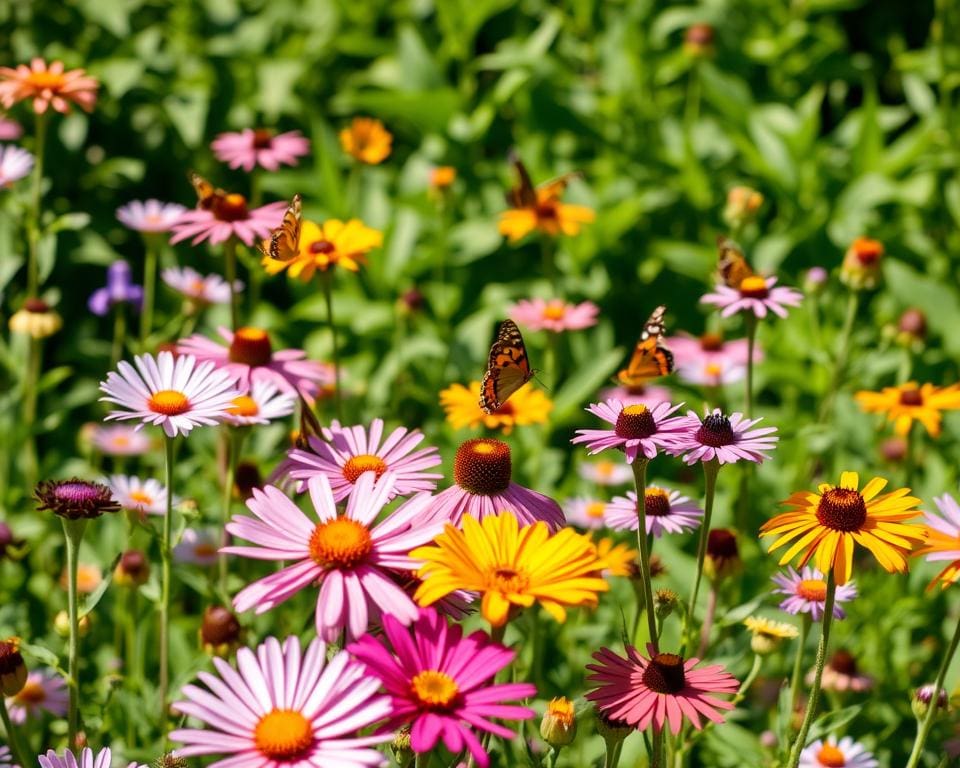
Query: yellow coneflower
[(526, 406), (334, 243), (367, 140), (912, 402), (767, 634)]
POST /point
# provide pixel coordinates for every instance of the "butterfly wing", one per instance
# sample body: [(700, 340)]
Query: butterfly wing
[(555, 187), (731, 263), (206, 192), (523, 195), (508, 368), (284, 241), (650, 359)]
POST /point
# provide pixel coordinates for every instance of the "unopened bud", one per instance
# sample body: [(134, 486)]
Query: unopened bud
[(132, 570), (612, 731), (923, 696), (861, 264), (723, 555), (665, 602), (559, 724), (220, 631), (400, 746), (698, 41), (61, 624), (742, 206)]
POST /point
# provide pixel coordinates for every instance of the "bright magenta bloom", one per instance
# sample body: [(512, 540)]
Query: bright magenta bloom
[(637, 429), (235, 220), (555, 315), (250, 148)]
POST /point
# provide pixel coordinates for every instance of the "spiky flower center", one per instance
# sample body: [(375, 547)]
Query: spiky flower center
[(363, 462), (716, 431), (754, 287), (340, 543), (283, 734), (842, 509), (664, 673), (831, 757), (711, 342), (547, 209), (482, 466), (76, 493), (812, 589), (434, 689), (656, 502), (230, 207), (911, 397), (262, 138), (635, 422), (244, 406), (169, 402), (322, 247), (250, 346)]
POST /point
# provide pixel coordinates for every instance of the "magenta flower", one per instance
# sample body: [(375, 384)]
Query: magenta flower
[(120, 289), (10, 130), (666, 512), (249, 357), (150, 216), (43, 692), (807, 592), (232, 218), (345, 453), (250, 148), (756, 294), (349, 557), (554, 315), (200, 289), (15, 164), (441, 683), (660, 690), (637, 428), (642, 395), (724, 439), (284, 707), (482, 471)]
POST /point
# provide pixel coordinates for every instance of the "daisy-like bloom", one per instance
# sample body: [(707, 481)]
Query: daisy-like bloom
[(841, 673), (150, 216), (554, 315), (36, 319), (325, 246), (261, 405), (833, 754), (196, 547), (346, 453), (756, 294), (441, 683), (482, 470), (912, 402), (641, 395), (711, 374), (547, 215), (511, 567), (250, 148), (148, 497), (75, 499), (667, 511), (660, 690), (767, 635), (348, 556), (43, 692), (10, 130), (89, 577), (199, 289), (825, 525), (861, 264), (585, 513), (227, 216), (176, 394), (367, 140), (637, 429), (526, 406), (88, 759), (615, 559), (249, 357), (120, 289), (710, 348), (15, 164), (806, 592), (47, 86), (606, 472), (120, 440), (284, 706), (724, 439), (941, 541)]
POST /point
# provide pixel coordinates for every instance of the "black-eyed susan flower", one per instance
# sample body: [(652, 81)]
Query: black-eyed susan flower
[(545, 213), (367, 140), (333, 243), (767, 635), (911, 402), (527, 405)]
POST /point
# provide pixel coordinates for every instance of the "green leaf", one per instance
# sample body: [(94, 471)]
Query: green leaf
[(577, 390), (94, 597)]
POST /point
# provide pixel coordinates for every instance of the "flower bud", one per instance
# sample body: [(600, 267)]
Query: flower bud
[(246, 479), (559, 724), (894, 449), (723, 555), (815, 280), (400, 746), (911, 329), (742, 206), (132, 570), (861, 264), (170, 760), (61, 624), (698, 41), (665, 602), (920, 704), (612, 731), (13, 670), (220, 631)]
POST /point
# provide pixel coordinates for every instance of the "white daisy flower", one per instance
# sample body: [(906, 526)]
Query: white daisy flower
[(261, 405)]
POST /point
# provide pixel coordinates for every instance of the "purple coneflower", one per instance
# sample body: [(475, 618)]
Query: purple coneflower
[(666, 512), (250, 148), (554, 315), (585, 513), (756, 294), (723, 439), (43, 692), (807, 593), (636, 428), (230, 217), (120, 440)]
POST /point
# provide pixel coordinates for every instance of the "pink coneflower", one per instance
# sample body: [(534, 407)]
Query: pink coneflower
[(724, 439), (667, 511), (47, 86), (830, 753), (148, 497), (807, 593), (942, 540), (175, 394), (347, 555), (43, 692), (585, 513), (103, 759), (150, 215), (482, 470), (637, 429), (200, 289), (283, 707), (606, 472), (345, 453), (842, 673), (261, 405), (262, 147), (441, 683), (554, 315), (120, 440), (10, 130), (196, 547), (249, 357), (15, 164), (710, 348), (229, 218), (647, 395), (756, 294), (711, 374), (662, 689)]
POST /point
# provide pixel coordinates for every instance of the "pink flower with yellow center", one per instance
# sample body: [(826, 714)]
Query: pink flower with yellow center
[(228, 215), (120, 440), (806, 592), (261, 405), (148, 497), (150, 216), (585, 513), (250, 148), (196, 547), (554, 315), (47, 86), (756, 294), (637, 429), (667, 511), (200, 289)]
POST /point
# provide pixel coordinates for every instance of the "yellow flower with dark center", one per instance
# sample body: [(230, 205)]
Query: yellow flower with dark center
[(367, 140), (324, 246), (526, 406), (511, 567), (547, 215), (912, 402), (824, 526)]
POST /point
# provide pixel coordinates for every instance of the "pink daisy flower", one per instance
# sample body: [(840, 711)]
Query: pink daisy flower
[(441, 683), (643, 395), (944, 539), (103, 759), (348, 556), (261, 405), (711, 374), (148, 497), (15, 163), (250, 148), (605, 472), (200, 289), (724, 439), (284, 707), (756, 294), (667, 511), (175, 394), (831, 753), (345, 453), (554, 315), (807, 593), (232, 218), (120, 440), (249, 357), (710, 348), (482, 470), (637, 428), (660, 690), (43, 692), (196, 547), (150, 216), (842, 673), (585, 513)]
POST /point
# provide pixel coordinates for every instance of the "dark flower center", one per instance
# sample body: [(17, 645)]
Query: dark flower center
[(10, 658), (322, 246), (842, 509), (911, 397), (711, 342), (36, 306), (716, 431), (754, 287), (482, 466), (230, 207), (75, 498), (722, 544), (250, 346), (219, 626), (656, 502), (546, 210), (262, 138), (635, 422), (664, 673), (247, 478), (843, 662)]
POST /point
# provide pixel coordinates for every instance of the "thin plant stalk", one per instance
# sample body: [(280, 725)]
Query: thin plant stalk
[(843, 353), (13, 740), (165, 576), (327, 280), (710, 471), (234, 444), (751, 344), (33, 232), (796, 678), (30, 394), (73, 533), (713, 597), (230, 272), (640, 480), (149, 288), (119, 334)]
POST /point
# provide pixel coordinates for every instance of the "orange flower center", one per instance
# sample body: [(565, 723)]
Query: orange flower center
[(250, 346), (911, 397), (31, 693), (713, 342), (812, 589), (230, 207), (595, 509), (482, 466), (509, 581), (434, 689), (44, 81), (754, 287), (604, 469), (169, 402), (143, 499), (555, 310), (364, 462), (546, 209), (120, 441), (283, 734), (244, 406), (842, 509), (831, 757), (562, 710), (340, 543), (635, 422), (664, 673), (656, 502), (867, 251)]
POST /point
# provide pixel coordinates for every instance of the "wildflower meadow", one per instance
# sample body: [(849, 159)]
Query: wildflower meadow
[(446, 384)]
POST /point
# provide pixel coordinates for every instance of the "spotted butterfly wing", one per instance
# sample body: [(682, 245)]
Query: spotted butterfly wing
[(207, 194), (731, 263), (523, 195), (508, 368), (284, 241), (650, 359)]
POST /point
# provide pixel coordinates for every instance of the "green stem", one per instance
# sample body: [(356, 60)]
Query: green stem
[(33, 230), (234, 442), (119, 334), (710, 471), (73, 533), (13, 741), (548, 254), (712, 599), (327, 280), (165, 576), (748, 681), (751, 342), (149, 290), (30, 394), (612, 753), (840, 362), (924, 730), (640, 480), (230, 272), (797, 677)]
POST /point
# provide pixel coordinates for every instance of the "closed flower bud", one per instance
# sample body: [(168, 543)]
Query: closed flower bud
[(13, 670), (220, 631), (9, 544), (400, 746), (742, 206), (665, 602), (815, 280), (559, 724), (132, 570), (612, 731), (861, 264), (170, 760), (61, 624), (723, 555), (246, 479), (920, 704), (912, 329), (894, 449), (698, 41)]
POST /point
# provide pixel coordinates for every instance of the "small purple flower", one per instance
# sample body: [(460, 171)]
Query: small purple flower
[(756, 294), (636, 428), (724, 439), (666, 512), (807, 592), (120, 289)]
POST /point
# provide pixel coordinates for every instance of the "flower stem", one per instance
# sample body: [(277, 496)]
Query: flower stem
[(119, 334), (840, 362), (12, 740), (30, 383), (924, 730), (797, 676), (234, 443), (712, 600), (640, 480), (827, 621), (327, 281), (165, 591), (751, 342), (149, 289), (710, 471), (230, 272), (73, 533), (33, 231)]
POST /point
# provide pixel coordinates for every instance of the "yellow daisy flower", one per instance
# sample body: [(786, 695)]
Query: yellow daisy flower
[(526, 406), (616, 559), (324, 246), (367, 140), (909, 402), (826, 525), (511, 567), (767, 634), (548, 215)]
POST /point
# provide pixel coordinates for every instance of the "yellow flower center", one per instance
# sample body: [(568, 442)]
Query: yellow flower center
[(555, 310), (842, 509), (120, 441), (196, 286), (509, 581), (244, 406), (340, 543), (434, 689), (595, 509), (562, 710), (754, 287), (250, 346), (141, 498), (812, 589), (31, 693), (713, 370), (46, 80), (604, 469), (169, 402), (831, 757), (283, 734), (364, 462)]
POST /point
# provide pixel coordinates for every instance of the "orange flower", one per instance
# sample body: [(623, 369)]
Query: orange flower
[(861, 264), (526, 406), (548, 215), (324, 246), (47, 86), (909, 402), (443, 176), (367, 140)]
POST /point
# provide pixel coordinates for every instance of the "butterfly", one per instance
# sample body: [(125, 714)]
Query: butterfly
[(508, 368), (284, 241), (731, 263), (650, 358), (524, 194), (208, 196)]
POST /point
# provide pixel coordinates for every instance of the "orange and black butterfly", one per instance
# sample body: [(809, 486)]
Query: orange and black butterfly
[(731, 263), (508, 368), (524, 194), (208, 195), (284, 241), (650, 357)]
